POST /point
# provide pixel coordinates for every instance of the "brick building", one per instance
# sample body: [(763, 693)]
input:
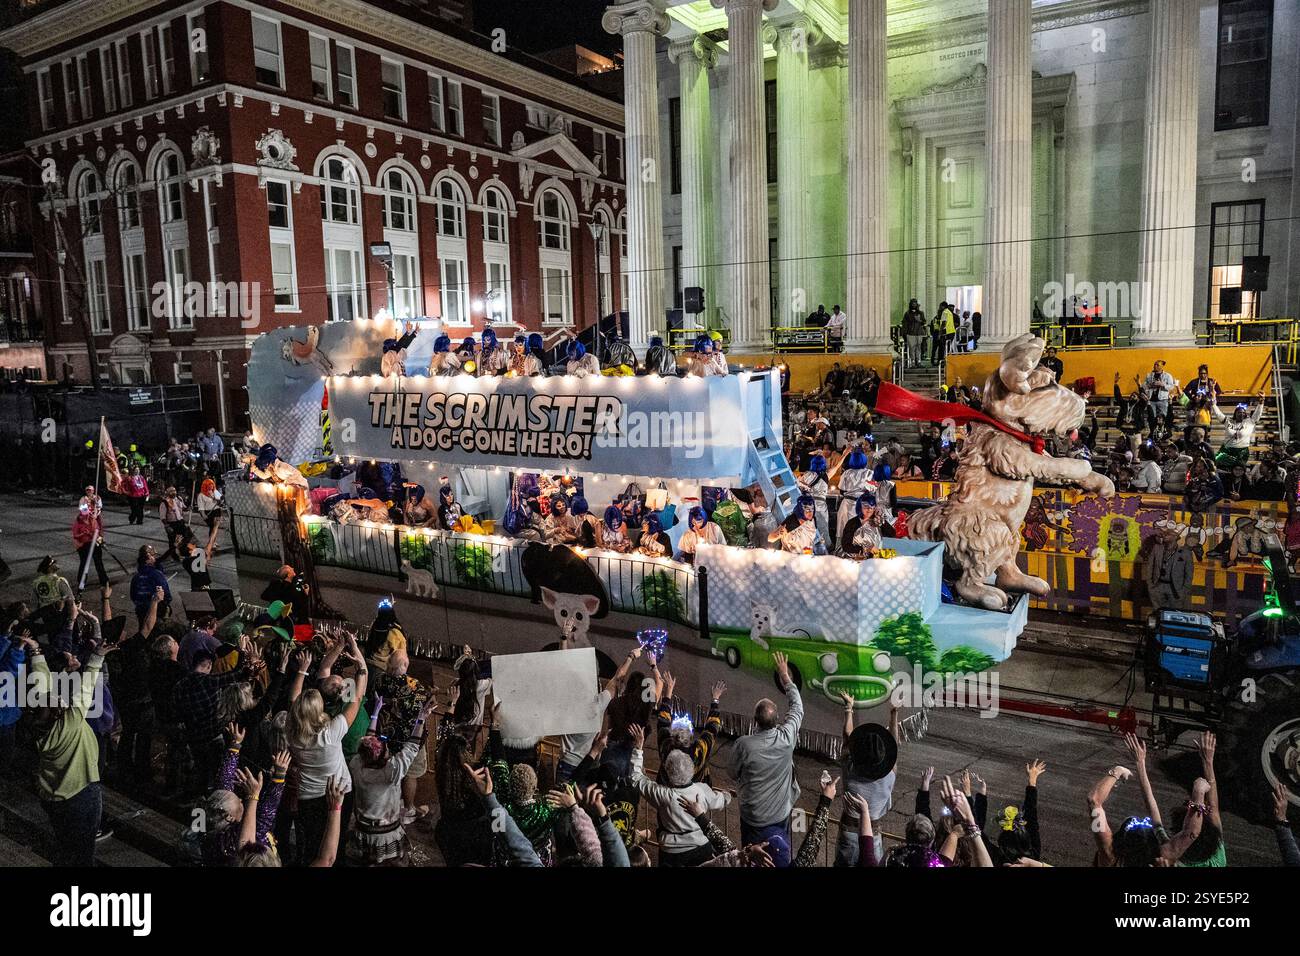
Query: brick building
[(217, 169)]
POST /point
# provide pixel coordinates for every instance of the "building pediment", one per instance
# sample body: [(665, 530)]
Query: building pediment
[(559, 151)]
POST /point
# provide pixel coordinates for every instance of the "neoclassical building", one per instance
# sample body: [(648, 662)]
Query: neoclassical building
[(990, 152), (219, 168)]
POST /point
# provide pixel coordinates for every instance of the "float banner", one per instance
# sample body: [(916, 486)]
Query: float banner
[(645, 426)]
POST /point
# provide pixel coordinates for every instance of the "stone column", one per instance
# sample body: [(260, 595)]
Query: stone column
[(792, 39), (1009, 138), (750, 307), (867, 150), (695, 58), (1167, 249), (641, 23)]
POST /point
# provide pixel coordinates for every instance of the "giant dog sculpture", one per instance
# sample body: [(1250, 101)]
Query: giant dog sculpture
[(980, 522)]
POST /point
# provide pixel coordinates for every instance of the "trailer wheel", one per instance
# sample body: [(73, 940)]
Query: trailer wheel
[(732, 656), (1268, 751)]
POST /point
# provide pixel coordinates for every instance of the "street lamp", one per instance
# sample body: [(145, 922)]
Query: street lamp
[(382, 252), (597, 233)]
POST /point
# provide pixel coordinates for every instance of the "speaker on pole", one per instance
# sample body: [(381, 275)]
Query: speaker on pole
[(1230, 300), (693, 300), (1254, 273)]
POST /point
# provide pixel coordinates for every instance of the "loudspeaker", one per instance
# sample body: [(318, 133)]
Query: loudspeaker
[(675, 319), (693, 300), (1254, 273), (1229, 300), (615, 322), (217, 601)]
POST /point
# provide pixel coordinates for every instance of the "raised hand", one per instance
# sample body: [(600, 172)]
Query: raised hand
[(1205, 746), (563, 797), (280, 763), (481, 779), (236, 734), (1281, 801), (719, 689), (251, 785), (829, 788), (1138, 749), (927, 775), (1033, 770), (782, 665), (637, 734)]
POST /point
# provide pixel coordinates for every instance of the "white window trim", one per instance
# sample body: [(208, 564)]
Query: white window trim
[(279, 52), (197, 21), (70, 106), (108, 76), (122, 61), (438, 115), (453, 251), (401, 86), (553, 259), (498, 254), (459, 112), (351, 75), (136, 321), (283, 236), (45, 95), (166, 75), (101, 323), (149, 65), (329, 66), (83, 86), (492, 128)]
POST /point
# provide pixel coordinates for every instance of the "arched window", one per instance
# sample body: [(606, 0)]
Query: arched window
[(128, 198), (496, 254), (451, 209), (88, 203), (496, 217), (604, 237), (340, 208), (399, 201), (340, 198), (554, 258), (171, 194), (169, 174), (400, 234), (553, 221)]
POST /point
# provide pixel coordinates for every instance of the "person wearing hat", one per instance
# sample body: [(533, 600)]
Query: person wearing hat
[(492, 359), (586, 525), (700, 529), (763, 765), (659, 359), (268, 466), (50, 588), (88, 539), (799, 533), (146, 580), (815, 484), (444, 361), (394, 359), (654, 542), (619, 353), (537, 350), (855, 477), (700, 361), (202, 637), (559, 525), (91, 501), (861, 537), (580, 362), (521, 364), (611, 533), (869, 755), (449, 509)]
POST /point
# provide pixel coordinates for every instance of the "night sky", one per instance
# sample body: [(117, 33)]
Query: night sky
[(537, 25)]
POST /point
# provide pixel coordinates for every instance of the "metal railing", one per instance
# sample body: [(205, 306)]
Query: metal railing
[(635, 584)]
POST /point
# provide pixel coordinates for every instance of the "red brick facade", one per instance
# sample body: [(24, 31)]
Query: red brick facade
[(549, 132)]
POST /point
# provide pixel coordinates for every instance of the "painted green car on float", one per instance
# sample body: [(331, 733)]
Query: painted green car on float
[(860, 670)]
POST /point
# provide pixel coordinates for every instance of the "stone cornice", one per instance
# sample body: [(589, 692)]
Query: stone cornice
[(972, 30), (73, 20)]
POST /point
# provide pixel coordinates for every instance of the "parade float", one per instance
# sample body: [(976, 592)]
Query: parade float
[(319, 396)]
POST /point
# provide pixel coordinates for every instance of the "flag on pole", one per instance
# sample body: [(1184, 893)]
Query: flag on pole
[(113, 480)]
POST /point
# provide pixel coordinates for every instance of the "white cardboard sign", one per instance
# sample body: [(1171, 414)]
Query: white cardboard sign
[(547, 693)]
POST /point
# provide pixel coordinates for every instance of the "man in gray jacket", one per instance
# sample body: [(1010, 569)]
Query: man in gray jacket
[(763, 763)]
